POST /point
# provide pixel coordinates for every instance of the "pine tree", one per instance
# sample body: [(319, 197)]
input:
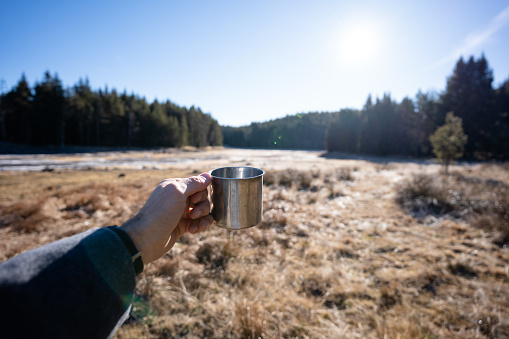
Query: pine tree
[(470, 95), (48, 119), (18, 113), (449, 140)]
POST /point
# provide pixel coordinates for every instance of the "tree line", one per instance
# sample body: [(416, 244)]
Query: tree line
[(49, 114), (386, 127)]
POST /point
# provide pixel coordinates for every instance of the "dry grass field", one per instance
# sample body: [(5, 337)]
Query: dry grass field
[(346, 249)]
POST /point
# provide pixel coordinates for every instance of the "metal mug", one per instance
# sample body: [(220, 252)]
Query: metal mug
[(237, 196)]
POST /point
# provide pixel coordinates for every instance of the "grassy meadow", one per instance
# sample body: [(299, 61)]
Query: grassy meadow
[(346, 249)]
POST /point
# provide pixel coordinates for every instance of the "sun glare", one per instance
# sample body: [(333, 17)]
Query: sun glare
[(359, 44)]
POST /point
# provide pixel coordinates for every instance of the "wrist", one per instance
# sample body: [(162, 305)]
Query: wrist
[(131, 227), (136, 254)]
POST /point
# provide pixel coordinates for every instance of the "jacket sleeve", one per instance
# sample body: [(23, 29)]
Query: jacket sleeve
[(78, 287)]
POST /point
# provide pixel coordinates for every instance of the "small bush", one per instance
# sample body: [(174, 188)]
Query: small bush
[(422, 194), (270, 178), (217, 255), (277, 220), (304, 180), (390, 295), (483, 202), (345, 174), (334, 191), (205, 253), (168, 267), (286, 178), (462, 268)]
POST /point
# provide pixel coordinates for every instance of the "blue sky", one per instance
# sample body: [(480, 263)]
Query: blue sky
[(251, 61)]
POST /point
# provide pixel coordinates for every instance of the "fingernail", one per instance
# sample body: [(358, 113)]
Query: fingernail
[(192, 228)]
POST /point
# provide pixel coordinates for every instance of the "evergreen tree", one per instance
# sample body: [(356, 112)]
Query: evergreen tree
[(49, 111), (344, 131), (426, 120), (18, 108), (501, 126), (470, 95), (215, 136), (449, 140), (406, 142), (184, 131)]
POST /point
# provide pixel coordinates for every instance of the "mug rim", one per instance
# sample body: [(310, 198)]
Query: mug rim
[(236, 167)]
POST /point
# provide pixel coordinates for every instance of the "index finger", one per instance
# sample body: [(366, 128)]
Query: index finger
[(198, 183)]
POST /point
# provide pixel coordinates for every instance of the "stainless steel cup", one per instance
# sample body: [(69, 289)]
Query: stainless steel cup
[(237, 196)]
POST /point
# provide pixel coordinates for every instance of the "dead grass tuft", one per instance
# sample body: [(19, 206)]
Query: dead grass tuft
[(334, 191), (24, 216), (250, 320), (286, 178), (217, 255), (390, 295), (275, 219), (167, 267), (345, 174), (270, 178), (393, 327), (463, 268)]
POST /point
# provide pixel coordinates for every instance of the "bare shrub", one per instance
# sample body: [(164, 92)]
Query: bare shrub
[(89, 198), (304, 180), (463, 268), (343, 250), (98, 197), (274, 220), (270, 178), (384, 167), (430, 279), (317, 283), (167, 267), (205, 253), (316, 173), (281, 195), (390, 295), (345, 174), (315, 286), (312, 198), (217, 255), (484, 202), (334, 191), (421, 194), (491, 325), (286, 178), (261, 237)]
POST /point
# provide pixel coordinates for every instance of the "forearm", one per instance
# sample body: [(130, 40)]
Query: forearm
[(77, 287)]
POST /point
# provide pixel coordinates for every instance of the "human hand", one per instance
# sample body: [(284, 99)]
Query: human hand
[(175, 207)]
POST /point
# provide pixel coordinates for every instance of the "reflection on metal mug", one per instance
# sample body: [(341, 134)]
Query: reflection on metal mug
[(237, 196)]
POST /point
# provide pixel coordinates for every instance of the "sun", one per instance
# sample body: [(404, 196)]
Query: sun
[(359, 44)]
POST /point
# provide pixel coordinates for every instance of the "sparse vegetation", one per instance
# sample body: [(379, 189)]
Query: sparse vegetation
[(482, 202), (396, 252)]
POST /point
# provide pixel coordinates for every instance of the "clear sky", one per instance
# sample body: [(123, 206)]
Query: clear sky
[(245, 61)]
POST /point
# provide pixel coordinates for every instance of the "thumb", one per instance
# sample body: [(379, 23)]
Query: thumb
[(198, 183)]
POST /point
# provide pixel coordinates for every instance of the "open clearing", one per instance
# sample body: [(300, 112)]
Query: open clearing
[(344, 250)]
